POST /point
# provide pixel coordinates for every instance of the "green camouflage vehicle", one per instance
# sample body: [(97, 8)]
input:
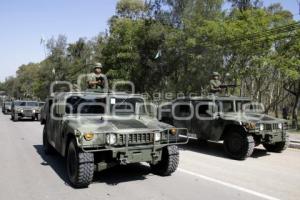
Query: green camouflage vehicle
[(6, 107), (21, 109), (237, 121), (96, 131)]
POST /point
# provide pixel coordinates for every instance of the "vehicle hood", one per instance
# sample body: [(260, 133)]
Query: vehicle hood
[(252, 117), (112, 124)]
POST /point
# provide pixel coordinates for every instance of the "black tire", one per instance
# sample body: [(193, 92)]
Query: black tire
[(238, 145), (168, 163), (80, 166), (278, 147), (48, 149)]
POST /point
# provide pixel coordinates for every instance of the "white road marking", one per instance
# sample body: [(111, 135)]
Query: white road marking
[(228, 184)]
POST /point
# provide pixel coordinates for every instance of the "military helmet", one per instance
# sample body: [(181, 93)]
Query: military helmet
[(216, 74), (97, 65)]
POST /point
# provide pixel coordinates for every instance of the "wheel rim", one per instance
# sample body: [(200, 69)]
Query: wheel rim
[(234, 144)]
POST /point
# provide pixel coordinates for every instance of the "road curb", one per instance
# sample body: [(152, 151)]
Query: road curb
[(295, 141), (294, 145)]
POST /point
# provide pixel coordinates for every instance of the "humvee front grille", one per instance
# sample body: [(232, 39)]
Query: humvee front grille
[(270, 127), (27, 112), (135, 138), (275, 126)]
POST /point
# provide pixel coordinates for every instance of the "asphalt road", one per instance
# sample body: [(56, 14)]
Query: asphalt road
[(204, 173)]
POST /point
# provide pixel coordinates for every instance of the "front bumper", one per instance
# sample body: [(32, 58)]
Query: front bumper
[(131, 155), (271, 137), (27, 114), (131, 147)]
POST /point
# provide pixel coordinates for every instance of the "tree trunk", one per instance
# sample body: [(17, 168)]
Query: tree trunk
[(296, 106)]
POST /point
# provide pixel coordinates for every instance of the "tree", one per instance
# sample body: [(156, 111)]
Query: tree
[(246, 4), (132, 9)]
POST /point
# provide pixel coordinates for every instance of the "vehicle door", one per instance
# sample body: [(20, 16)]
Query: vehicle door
[(183, 113), (204, 120), (52, 119), (225, 108), (57, 124)]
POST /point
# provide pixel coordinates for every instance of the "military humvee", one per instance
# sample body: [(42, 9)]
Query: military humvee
[(6, 107), (24, 109), (95, 131), (235, 120)]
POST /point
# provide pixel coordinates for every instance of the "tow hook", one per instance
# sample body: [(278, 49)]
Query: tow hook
[(154, 155), (123, 161)]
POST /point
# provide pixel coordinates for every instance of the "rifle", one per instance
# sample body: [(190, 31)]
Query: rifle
[(228, 86), (100, 79)]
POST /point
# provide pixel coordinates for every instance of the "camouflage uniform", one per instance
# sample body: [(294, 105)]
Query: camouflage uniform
[(215, 84), (95, 77)]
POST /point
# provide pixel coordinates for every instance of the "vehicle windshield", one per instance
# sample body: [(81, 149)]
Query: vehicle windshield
[(21, 103), (123, 106), (83, 105), (32, 104), (226, 106), (98, 105), (248, 106)]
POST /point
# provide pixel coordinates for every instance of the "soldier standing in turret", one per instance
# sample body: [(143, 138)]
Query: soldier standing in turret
[(96, 80), (215, 83)]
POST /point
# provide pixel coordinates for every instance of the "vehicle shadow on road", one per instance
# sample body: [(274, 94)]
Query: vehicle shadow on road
[(56, 162), (24, 120), (121, 174), (216, 149), (113, 176)]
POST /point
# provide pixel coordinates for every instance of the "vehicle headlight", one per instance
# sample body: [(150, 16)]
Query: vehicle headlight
[(250, 125), (157, 136), (111, 139), (173, 131), (261, 127), (33, 111), (88, 136), (280, 125)]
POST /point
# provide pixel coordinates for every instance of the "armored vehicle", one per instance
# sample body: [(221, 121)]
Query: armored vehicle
[(24, 109), (235, 120), (6, 107), (96, 131)]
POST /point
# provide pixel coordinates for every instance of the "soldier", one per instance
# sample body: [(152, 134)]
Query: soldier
[(215, 83), (96, 79)]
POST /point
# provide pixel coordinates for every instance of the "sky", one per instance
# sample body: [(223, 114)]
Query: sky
[(24, 22)]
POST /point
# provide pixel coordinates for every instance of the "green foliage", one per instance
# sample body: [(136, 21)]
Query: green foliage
[(131, 8), (174, 46)]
